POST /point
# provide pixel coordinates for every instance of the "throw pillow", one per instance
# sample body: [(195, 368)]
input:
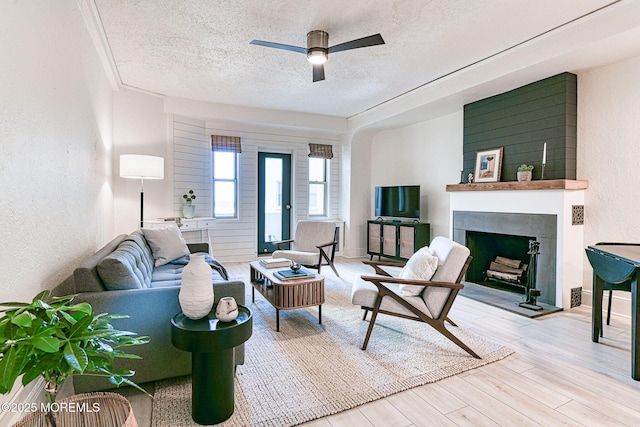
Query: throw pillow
[(166, 243), (420, 266)]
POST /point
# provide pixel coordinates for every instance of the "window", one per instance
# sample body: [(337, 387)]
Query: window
[(317, 186), (225, 184)]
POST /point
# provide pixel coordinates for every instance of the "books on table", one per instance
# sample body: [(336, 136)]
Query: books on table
[(275, 262), (290, 274)]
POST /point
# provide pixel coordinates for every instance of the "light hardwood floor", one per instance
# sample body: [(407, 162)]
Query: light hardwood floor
[(557, 376)]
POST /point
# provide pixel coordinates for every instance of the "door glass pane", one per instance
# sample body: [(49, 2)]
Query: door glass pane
[(224, 165), (225, 192), (316, 199), (273, 200)]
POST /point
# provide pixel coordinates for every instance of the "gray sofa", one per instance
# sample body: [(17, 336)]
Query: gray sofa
[(151, 300)]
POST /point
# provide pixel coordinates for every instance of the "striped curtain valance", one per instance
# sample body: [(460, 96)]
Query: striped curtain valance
[(226, 143), (321, 151)]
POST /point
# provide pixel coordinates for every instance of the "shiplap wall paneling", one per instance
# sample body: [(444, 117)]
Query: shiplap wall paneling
[(521, 121), (191, 165)]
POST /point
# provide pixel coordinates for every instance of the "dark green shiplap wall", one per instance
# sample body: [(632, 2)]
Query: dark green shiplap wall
[(521, 121)]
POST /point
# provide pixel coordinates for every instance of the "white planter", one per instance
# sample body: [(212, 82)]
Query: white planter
[(196, 292), (524, 175), (189, 211)]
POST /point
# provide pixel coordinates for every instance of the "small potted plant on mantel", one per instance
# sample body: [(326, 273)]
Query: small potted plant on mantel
[(525, 172), (189, 210), (55, 339)]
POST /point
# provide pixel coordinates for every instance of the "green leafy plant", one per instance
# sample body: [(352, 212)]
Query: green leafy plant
[(525, 168), (55, 339), (189, 197)]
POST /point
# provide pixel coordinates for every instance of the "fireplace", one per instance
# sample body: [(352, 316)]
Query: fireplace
[(491, 234), (543, 209)]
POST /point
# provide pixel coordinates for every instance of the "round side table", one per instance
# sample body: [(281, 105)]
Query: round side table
[(211, 344)]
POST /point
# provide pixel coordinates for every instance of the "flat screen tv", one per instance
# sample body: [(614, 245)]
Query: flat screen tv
[(401, 201)]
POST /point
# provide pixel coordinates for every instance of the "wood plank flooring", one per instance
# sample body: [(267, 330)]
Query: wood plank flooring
[(557, 377)]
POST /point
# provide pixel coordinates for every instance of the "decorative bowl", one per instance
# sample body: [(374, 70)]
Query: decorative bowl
[(295, 267)]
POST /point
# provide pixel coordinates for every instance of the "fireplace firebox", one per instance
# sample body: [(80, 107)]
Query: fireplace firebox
[(491, 234), (489, 247)]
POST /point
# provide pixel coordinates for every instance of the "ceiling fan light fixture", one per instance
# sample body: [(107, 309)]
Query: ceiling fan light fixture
[(318, 48), (317, 55)]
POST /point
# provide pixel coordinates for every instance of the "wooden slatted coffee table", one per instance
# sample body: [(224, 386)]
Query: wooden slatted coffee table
[(286, 294)]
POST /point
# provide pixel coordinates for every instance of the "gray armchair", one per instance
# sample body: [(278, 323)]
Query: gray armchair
[(313, 245), (382, 293)]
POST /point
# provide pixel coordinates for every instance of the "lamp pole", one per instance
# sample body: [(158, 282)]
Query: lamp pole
[(139, 166)]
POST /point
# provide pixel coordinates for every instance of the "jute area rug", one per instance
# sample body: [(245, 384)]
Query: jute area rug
[(307, 371)]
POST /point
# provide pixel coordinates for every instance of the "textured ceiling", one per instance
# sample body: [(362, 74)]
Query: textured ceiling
[(200, 49)]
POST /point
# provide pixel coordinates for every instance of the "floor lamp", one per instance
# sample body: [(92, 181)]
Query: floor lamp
[(141, 167)]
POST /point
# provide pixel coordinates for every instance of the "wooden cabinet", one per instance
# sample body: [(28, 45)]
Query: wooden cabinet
[(394, 239)]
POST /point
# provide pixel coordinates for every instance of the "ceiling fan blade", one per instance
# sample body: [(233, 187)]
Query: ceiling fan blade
[(373, 40), (318, 72), (279, 46)]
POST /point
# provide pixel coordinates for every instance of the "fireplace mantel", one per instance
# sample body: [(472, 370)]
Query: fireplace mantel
[(550, 184)]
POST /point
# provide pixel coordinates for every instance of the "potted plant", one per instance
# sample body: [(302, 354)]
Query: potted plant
[(55, 339), (524, 172), (189, 210)]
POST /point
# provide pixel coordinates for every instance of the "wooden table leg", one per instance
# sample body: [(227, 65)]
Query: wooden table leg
[(277, 320), (320, 314)]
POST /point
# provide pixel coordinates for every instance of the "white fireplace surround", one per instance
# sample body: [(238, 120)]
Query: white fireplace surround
[(539, 200)]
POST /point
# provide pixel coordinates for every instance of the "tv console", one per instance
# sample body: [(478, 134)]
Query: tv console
[(396, 239)]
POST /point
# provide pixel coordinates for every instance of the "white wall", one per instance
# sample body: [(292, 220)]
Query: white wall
[(55, 150), (609, 156), (426, 154), (140, 127), (55, 166)]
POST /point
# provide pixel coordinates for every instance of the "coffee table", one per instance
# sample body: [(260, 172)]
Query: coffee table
[(286, 294)]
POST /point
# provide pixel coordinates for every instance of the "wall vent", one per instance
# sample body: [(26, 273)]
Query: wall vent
[(576, 297), (577, 215)]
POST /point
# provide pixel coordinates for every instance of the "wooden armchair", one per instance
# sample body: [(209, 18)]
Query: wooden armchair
[(314, 245), (383, 293)]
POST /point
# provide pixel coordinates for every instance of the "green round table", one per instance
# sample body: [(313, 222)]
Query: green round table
[(211, 344)]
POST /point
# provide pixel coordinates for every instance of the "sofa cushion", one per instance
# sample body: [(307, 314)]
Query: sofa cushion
[(125, 268), (166, 243), (171, 275), (85, 276), (420, 266), (145, 250), (304, 258), (452, 256), (364, 294)]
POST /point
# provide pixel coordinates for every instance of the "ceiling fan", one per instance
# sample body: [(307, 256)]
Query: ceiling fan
[(318, 49)]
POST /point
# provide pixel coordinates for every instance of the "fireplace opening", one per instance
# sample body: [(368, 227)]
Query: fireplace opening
[(487, 248)]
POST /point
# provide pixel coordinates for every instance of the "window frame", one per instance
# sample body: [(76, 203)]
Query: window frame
[(325, 184), (234, 180)]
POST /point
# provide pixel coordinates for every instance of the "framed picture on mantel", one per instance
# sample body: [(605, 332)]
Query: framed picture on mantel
[(488, 165)]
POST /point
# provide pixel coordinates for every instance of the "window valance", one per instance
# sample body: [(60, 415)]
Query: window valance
[(321, 151), (226, 143)]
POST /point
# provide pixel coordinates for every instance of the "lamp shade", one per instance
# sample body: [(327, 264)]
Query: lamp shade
[(141, 166)]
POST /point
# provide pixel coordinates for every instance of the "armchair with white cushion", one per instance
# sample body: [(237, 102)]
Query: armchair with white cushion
[(314, 245), (423, 290)]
